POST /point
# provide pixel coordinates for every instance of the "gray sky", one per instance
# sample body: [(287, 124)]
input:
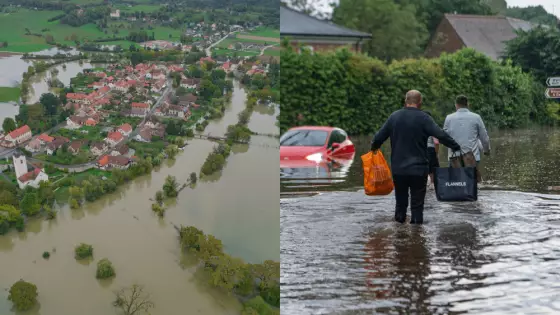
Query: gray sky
[(552, 6)]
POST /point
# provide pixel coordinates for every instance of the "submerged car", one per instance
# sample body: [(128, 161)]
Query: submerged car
[(311, 145)]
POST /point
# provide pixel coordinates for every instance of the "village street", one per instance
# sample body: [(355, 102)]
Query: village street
[(209, 49)]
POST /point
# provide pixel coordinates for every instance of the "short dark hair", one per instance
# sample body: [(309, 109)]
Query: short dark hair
[(462, 101)]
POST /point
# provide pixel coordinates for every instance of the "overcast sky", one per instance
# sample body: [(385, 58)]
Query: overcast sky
[(552, 6)]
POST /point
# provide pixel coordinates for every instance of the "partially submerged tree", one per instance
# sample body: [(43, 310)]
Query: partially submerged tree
[(23, 295), (133, 300), (104, 269)]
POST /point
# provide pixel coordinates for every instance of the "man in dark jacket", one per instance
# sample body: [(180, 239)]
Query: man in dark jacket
[(409, 129)]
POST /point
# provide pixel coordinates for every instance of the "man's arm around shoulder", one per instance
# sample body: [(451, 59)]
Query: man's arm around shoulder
[(382, 134)]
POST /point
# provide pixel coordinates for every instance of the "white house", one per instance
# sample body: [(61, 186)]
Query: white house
[(25, 178), (116, 14)]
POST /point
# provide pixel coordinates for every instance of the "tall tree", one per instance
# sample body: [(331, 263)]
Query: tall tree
[(396, 33), (9, 124), (50, 103), (537, 50), (535, 14)]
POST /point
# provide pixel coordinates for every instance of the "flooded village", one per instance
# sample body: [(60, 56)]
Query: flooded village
[(93, 157)]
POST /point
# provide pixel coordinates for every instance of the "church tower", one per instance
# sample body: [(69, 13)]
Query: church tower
[(20, 164)]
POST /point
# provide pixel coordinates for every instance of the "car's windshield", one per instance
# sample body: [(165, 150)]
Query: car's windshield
[(304, 138)]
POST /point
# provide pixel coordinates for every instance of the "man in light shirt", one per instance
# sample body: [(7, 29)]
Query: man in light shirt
[(468, 129)]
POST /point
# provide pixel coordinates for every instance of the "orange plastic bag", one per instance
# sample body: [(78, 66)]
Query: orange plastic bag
[(377, 175)]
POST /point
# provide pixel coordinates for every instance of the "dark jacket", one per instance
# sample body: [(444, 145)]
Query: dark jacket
[(409, 129)]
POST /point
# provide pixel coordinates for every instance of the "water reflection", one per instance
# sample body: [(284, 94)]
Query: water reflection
[(342, 254), (526, 160)]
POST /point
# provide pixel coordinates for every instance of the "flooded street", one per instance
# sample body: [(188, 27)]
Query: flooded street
[(144, 248), (342, 254)]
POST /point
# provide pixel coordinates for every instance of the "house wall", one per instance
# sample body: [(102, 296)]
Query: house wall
[(444, 39)]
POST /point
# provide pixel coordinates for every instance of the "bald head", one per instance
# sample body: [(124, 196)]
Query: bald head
[(413, 98)]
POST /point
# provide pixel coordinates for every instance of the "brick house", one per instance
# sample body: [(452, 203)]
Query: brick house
[(317, 35), (485, 34)]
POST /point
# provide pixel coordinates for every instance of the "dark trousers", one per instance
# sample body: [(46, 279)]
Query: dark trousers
[(417, 187)]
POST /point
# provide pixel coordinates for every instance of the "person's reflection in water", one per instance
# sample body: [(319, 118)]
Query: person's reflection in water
[(398, 268)]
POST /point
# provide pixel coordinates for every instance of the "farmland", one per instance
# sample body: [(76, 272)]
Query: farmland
[(37, 23), (250, 44)]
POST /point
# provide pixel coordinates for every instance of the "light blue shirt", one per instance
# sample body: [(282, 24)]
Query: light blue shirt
[(468, 130)]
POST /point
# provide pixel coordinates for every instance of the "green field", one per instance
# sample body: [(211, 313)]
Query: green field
[(228, 52), (9, 94), (36, 21), (138, 8), (272, 52), (266, 32)]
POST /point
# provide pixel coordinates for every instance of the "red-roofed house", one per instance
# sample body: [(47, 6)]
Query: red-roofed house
[(206, 59), (91, 122), (226, 66), (18, 136), (141, 106), (34, 145), (45, 138), (109, 161), (125, 129), (76, 97), (114, 138)]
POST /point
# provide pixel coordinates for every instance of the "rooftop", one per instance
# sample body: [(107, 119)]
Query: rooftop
[(296, 23)]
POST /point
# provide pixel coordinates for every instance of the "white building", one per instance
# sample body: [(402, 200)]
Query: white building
[(116, 14), (25, 178)]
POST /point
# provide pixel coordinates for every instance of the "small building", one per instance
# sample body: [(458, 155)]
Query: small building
[(109, 161), (56, 144), (45, 138), (114, 138), (75, 146), (115, 14), (125, 129), (144, 135), (486, 34), (34, 145), (121, 149), (97, 148), (317, 35), (141, 107), (75, 122), (190, 83)]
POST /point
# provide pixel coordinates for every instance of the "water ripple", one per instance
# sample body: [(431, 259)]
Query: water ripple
[(342, 254)]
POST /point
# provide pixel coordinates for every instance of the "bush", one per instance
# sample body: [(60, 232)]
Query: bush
[(83, 251), (105, 269), (159, 210), (46, 255), (272, 295), (23, 295), (358, 93), (258, 306)]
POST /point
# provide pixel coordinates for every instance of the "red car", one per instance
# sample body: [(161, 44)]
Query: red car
[(311, 145)]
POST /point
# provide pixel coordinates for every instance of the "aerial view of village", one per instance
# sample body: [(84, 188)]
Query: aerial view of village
[(137, 156)]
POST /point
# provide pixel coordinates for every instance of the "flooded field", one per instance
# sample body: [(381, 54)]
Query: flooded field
[(143, 248), (342, 254), (13, 68)]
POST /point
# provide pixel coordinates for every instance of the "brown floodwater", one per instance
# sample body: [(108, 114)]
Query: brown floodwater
[(238, 205), (341, 252), (12, 68)]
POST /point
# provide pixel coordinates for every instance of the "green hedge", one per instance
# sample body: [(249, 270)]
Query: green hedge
[(358, 93)]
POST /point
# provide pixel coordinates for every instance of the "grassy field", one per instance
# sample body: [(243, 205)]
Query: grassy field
[(272, 52), (36, 21), (9, 94), (138, 8), (228, 52), (266, 32)]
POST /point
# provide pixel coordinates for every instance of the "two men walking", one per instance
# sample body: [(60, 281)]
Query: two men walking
[(409, 129)]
